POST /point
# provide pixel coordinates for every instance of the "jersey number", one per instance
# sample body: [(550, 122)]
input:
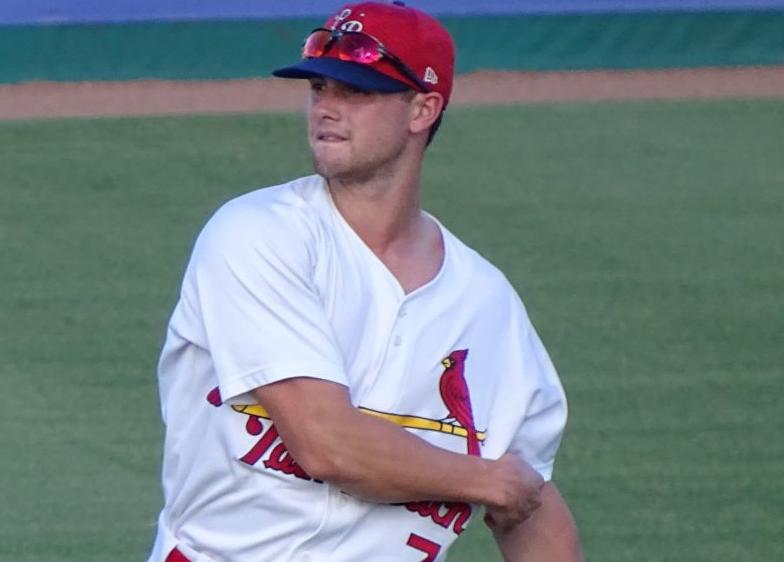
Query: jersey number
[(428, 547)]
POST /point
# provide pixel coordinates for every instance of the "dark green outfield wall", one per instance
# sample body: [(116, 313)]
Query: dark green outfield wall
[(240, 49)]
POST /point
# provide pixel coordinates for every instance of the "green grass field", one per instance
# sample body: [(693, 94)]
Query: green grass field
[(647, 240)]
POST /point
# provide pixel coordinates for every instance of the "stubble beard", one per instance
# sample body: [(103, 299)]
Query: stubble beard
[(341, 172), (353, 171)]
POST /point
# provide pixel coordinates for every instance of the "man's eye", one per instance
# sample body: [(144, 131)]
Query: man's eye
[(358, 91)]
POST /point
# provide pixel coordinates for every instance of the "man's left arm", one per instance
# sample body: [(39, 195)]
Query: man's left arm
[(548, 535)]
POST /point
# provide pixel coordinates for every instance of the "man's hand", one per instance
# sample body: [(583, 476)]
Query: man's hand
[(519, 494)]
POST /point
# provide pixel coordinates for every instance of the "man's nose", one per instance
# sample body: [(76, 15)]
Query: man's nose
[(325, 105)]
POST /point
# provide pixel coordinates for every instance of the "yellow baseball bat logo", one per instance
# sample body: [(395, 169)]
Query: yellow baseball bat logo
[(411, 422)]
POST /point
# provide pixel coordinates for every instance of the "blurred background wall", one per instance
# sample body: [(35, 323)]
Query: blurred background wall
[(214, 39), (47, 11)]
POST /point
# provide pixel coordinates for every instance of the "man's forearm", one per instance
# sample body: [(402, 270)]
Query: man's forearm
[(549, 535), (379, 461)]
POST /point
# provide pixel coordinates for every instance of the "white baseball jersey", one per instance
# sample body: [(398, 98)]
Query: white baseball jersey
[(280, 286)]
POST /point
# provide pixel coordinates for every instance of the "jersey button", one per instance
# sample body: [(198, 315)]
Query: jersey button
[(397, 341), (402, 313)]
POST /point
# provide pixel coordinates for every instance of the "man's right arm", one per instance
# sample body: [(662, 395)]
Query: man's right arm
[(376, 460)]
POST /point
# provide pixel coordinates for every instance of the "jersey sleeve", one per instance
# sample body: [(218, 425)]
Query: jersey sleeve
[(539, 435), (250, 278)]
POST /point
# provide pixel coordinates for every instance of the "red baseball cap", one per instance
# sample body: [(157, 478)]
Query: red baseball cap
[(417, 39)]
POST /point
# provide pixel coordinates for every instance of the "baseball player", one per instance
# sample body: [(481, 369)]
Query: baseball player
[(343, 379)]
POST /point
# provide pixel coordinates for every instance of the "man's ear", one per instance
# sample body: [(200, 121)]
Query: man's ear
[(425, 109)]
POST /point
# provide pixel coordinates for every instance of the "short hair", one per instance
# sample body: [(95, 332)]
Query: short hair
[(434, 128)]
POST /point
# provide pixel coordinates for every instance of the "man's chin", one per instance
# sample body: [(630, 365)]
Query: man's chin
[(341, 171), (329, 169)]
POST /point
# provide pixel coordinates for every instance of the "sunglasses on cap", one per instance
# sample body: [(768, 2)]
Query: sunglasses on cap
[(357, 47)]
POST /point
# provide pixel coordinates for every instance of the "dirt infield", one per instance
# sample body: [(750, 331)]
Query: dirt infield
[(154, 97)]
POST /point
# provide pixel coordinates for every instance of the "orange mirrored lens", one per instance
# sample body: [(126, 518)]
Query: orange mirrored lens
[(316, 44), (356, 47)]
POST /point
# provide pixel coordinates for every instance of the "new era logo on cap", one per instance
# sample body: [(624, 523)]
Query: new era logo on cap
[(430, 76)]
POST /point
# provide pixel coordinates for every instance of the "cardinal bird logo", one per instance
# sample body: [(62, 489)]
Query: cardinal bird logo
[(454, 393)]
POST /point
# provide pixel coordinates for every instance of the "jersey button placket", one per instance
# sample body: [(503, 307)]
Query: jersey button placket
[(397, 338)]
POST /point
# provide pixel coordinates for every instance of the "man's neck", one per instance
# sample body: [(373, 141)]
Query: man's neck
[(383, 213), (388, 218)]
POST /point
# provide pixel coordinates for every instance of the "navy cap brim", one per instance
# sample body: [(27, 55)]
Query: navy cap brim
[(355, 74)]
